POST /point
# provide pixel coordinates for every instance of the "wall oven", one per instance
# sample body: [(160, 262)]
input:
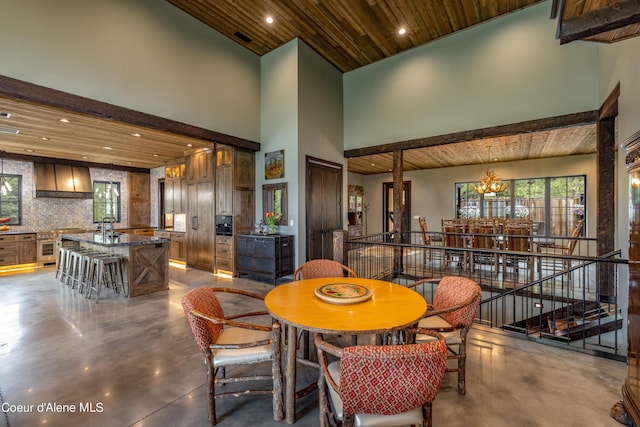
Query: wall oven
[(48, 245)]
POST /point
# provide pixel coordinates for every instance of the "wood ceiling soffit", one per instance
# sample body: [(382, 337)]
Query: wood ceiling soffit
[(556, 122), (54, 98), (588, 19)]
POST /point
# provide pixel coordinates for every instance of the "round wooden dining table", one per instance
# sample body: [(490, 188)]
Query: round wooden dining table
[(304, 305)]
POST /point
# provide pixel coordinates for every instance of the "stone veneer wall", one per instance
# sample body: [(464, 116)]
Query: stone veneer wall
[(43, 213), (156, 175)]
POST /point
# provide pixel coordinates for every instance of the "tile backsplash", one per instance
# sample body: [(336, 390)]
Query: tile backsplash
[(43, 213)]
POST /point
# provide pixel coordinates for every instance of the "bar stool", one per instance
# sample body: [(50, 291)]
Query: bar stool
[(105, 270), (75, 262), (62, 262), (84, 269)]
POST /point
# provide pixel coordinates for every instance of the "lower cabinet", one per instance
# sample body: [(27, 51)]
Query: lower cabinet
[(178, 245), (224, 254), (268, 256), (18, 249)]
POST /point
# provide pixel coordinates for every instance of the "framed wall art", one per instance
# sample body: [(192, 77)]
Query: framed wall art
[(274, 165)]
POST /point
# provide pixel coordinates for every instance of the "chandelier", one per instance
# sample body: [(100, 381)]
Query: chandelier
[(490, 183)]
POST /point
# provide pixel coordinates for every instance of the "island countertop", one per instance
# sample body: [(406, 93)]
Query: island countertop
[(121, 239)]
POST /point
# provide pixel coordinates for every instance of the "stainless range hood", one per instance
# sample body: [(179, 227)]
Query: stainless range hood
[(57, 180)]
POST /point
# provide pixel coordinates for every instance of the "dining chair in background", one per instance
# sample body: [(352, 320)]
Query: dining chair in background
[(455, 236), (484, 235), (228, 341), (380, 385), (567, 248), (322, 268), (453, 311), (518, 234)]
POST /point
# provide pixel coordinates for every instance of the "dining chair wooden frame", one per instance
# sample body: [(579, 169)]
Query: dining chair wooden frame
[(387, 385), (227, 341), (518, 235), (452, 313)]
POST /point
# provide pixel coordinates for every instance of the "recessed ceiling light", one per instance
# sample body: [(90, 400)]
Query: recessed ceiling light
[(189, 145), (84, 157), (269, 20), (65, 120), (29, 150), (107, 148), (373, 164), (44, 138), (156, 155), (136, 134), (402, 31)]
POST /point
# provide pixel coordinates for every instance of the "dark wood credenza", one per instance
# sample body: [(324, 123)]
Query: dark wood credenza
[(270, 256), (631, 387)]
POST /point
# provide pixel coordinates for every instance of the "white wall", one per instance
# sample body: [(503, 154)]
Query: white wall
[(505, 71), (145, 55)]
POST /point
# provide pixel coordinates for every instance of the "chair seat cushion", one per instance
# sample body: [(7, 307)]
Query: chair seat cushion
[(223, 357), (436, 322), (411, 417)]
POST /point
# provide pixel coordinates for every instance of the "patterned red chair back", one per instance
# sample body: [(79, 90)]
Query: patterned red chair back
[(387, 380), (203, 300), (454, 290), (318, 268)]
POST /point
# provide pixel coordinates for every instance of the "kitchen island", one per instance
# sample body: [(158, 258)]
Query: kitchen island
[(145, 258)]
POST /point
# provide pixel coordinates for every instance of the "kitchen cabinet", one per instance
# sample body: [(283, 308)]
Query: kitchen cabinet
[(139, 205), (235, 197), (18, 249), (177, 246), (200, 225), (200, 166), (268, 256), (175, 190)]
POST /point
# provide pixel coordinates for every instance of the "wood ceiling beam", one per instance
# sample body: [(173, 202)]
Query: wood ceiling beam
[(19, 89), (626, 12), (549, 123)]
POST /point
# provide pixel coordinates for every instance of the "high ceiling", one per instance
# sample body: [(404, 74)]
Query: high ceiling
[(349, 34)]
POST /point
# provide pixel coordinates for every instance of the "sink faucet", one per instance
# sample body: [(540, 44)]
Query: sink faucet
[(111, 220)]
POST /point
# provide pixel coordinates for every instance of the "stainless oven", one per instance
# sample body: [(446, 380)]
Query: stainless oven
[(48, 245)]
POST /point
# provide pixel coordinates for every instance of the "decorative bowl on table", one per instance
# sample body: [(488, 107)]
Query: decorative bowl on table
[(343, 293)]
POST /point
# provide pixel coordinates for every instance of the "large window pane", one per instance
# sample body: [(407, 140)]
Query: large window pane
[(10, 200), (554, 204), (106, 201)]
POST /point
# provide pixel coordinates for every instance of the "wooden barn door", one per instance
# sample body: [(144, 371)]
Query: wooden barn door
[(323, 206)]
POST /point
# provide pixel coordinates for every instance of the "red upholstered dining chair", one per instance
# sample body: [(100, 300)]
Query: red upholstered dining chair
[(452, 313), (322, 268), (388, 385), (227, 341)]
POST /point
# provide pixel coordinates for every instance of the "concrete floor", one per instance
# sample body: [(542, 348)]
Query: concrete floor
[(134, 363)]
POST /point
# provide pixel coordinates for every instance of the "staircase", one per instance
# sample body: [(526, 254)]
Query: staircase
[(576, 321)]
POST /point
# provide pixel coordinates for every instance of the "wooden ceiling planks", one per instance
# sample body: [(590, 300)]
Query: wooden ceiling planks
[(349, 34), (606, 21), (565, 141)]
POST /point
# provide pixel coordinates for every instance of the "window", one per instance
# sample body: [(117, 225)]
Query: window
[(11, 199), (554, 204), (106, 201)]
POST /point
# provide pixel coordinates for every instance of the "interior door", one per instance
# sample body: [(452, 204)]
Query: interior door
[(388, 221), (323, 206)]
